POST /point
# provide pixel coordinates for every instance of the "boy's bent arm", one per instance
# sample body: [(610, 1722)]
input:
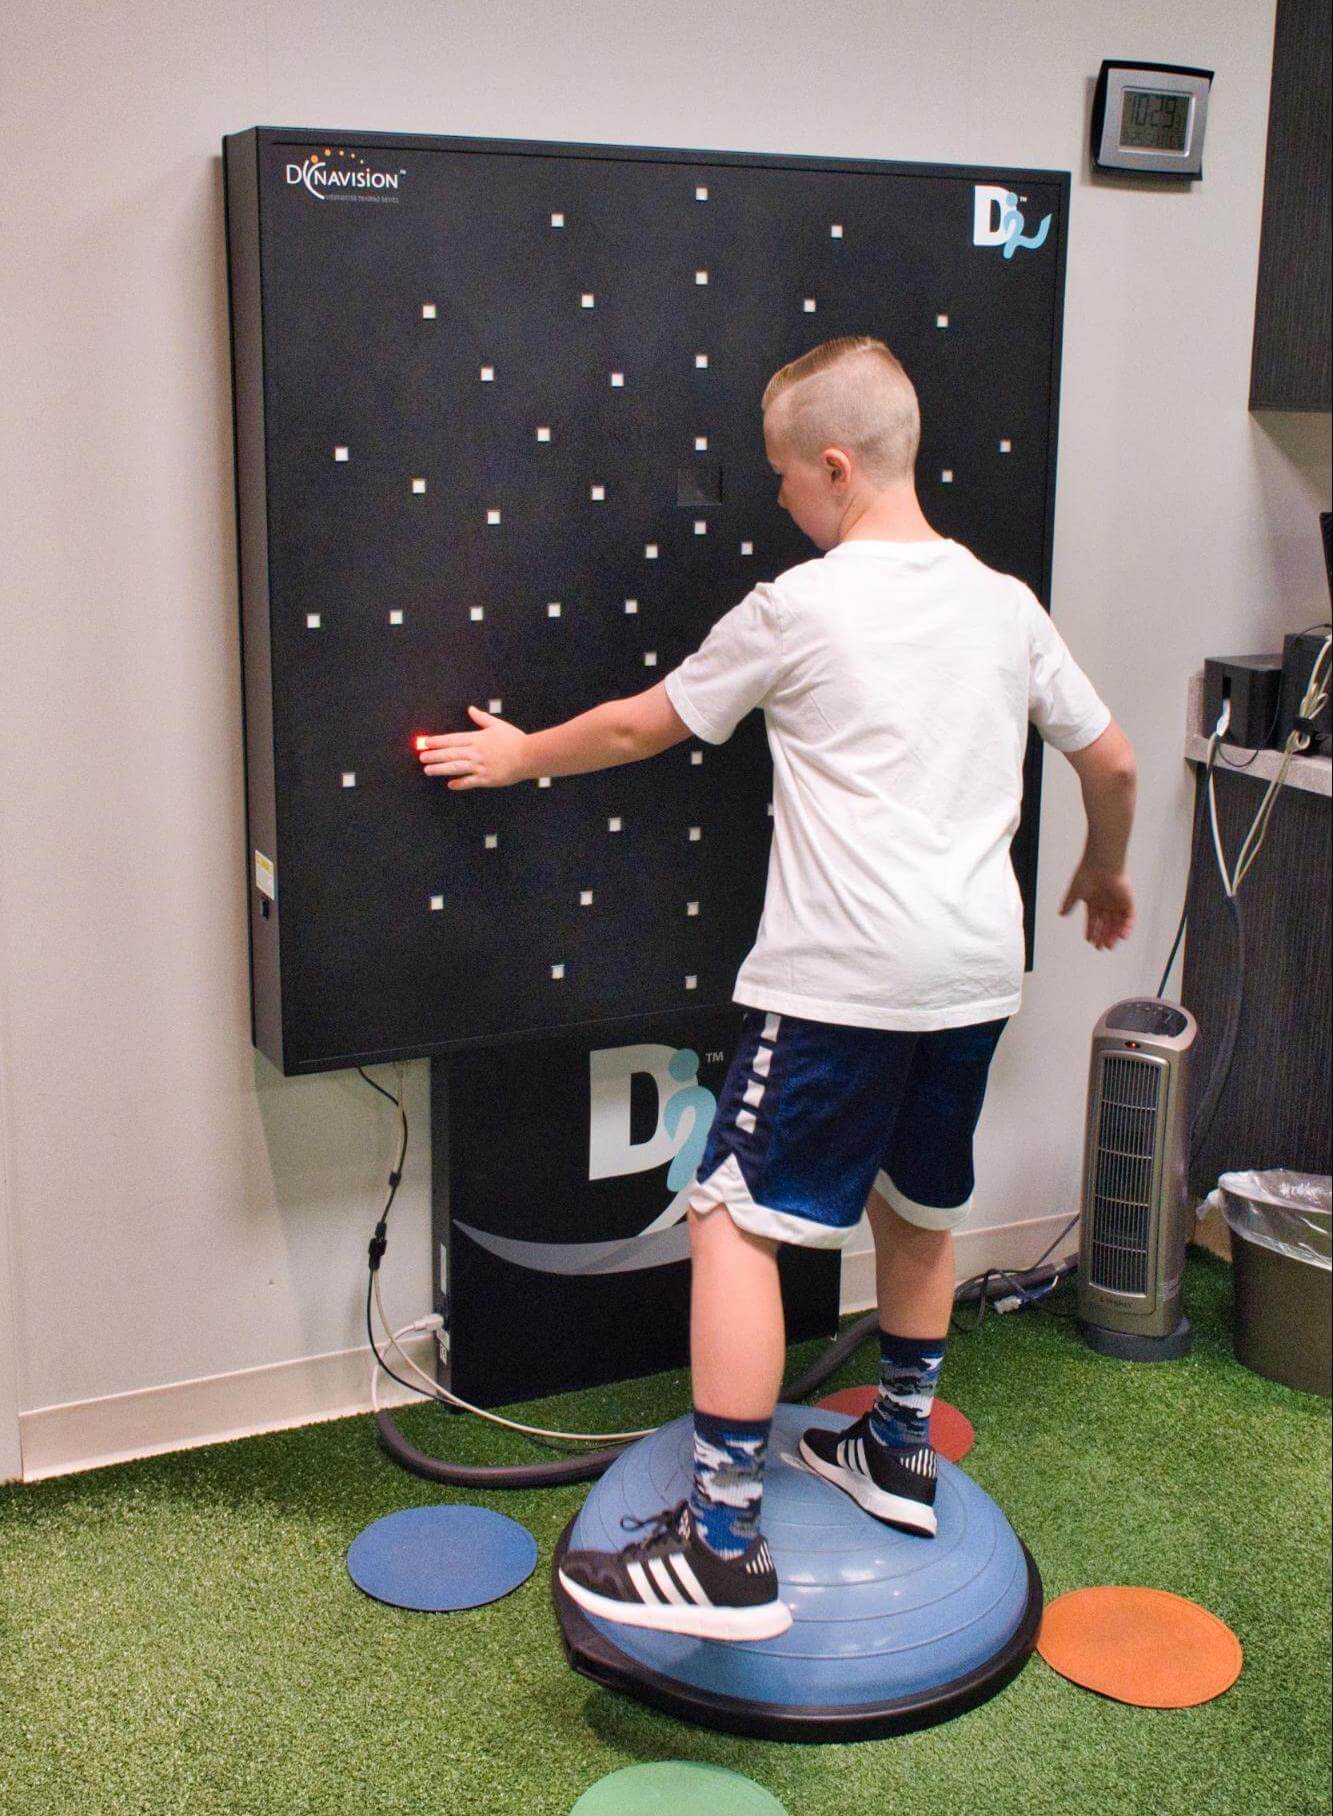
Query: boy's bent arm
[(618, 731)]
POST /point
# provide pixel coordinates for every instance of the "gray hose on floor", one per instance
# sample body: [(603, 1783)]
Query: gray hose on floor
[(592, 1463)]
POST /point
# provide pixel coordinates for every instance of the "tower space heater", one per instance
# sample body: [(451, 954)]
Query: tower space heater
[(1135, 1222)]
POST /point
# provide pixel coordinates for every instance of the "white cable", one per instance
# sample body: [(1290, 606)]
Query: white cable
[(434, 1391), (1312, 702)]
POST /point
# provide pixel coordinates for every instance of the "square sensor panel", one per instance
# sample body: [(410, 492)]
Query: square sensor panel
[(476, 379)]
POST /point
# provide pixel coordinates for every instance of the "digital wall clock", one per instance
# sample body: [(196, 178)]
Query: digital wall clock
[(1150, 118)]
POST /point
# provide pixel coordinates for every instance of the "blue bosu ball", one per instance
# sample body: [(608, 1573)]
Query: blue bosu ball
[(891, 1630)]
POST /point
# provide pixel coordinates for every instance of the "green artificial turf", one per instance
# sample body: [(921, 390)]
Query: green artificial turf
[(180, 1634)]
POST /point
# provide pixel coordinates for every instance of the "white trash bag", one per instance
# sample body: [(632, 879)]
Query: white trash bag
[(1282, 1210)]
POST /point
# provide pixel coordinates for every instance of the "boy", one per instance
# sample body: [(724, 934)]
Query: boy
[(898, 675)]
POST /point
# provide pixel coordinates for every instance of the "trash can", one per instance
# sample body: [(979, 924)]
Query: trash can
[(1279, 1222)]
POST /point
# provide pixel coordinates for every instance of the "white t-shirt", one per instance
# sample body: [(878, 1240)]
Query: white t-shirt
[(897, 681)]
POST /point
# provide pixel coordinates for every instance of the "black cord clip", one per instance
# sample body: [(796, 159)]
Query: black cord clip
[(1306, 727)]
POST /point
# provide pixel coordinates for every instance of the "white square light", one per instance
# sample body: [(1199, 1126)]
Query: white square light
[(543, 781), (701, 277), (495, 706), (701, 444), (631, 606), (492, 517), (395, 617), (557, 971), (477, 613), (692, 983), (588, 300), (650, 658), (696, 833), (585, 898), (543, 435), (696, 758), (747, 548), (340, 454), (691, 908), (941, 321), (557, 220), (597, 493), (650, 552), (947, 476), (809, 305), (312, 621), (492, 841), (701, 526), (1006, 447), (613, 825), (701, 194), (428, 312), (701, 360), (488, 375), (835, 231), (436, 903), (418, 485), (617, 379), (349, 778), (553, 609)]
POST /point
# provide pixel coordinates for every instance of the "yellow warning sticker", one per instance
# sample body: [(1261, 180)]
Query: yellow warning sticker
[(265, 876)]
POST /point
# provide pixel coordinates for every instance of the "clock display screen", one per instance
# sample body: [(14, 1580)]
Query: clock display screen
[(1153, 121)]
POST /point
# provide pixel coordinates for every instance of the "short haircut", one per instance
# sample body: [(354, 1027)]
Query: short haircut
[(850, 393)]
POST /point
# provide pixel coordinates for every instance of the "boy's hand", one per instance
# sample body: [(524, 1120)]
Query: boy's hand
[(1110, 903), (491, 757)]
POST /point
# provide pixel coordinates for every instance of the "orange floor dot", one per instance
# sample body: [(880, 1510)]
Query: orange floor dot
[(1142, 1646), (951, 1432)]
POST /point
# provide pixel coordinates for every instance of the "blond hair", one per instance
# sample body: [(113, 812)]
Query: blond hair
[(850, 393)]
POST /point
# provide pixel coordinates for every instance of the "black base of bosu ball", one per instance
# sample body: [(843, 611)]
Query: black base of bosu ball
[(891, 1631)]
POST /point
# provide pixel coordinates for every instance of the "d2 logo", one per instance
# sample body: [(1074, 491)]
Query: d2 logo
[(1008, 230)]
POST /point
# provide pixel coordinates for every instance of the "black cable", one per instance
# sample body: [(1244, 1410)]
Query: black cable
[(1201, 795), (380, 1240)]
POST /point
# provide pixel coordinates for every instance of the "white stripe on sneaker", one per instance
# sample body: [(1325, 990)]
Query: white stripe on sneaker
[(665, 1581), (689, 1582), (636, 1575)]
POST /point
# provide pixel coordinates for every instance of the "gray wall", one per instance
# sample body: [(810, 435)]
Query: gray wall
[(172, 1210)]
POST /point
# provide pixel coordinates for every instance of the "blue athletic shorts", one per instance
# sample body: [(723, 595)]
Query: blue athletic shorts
[(813, 1114)]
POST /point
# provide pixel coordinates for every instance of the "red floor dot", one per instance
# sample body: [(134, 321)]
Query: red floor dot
[(951, 1431)]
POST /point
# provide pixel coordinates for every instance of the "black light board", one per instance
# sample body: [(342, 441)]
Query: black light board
[(373, 278)]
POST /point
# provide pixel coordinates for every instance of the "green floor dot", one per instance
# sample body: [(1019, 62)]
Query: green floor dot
[(676, 1787)]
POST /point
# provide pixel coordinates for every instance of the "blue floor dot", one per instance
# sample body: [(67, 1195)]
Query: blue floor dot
[(440, 1558)]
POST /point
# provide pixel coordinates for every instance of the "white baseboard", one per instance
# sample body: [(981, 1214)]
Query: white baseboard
[(148, 1421), (184, 1415)]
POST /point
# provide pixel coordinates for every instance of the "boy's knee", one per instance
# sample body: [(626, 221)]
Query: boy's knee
[(895, 1216), (716, 1229)]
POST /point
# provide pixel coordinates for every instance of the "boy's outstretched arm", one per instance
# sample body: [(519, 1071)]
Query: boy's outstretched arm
[(496, 754)]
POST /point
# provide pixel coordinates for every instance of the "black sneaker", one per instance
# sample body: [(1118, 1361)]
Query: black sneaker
[(672, 1581), (897, 1487)]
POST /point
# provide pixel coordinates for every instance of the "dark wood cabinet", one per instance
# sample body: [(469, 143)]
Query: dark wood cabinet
[(1273, 1111), (1289, 365)]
